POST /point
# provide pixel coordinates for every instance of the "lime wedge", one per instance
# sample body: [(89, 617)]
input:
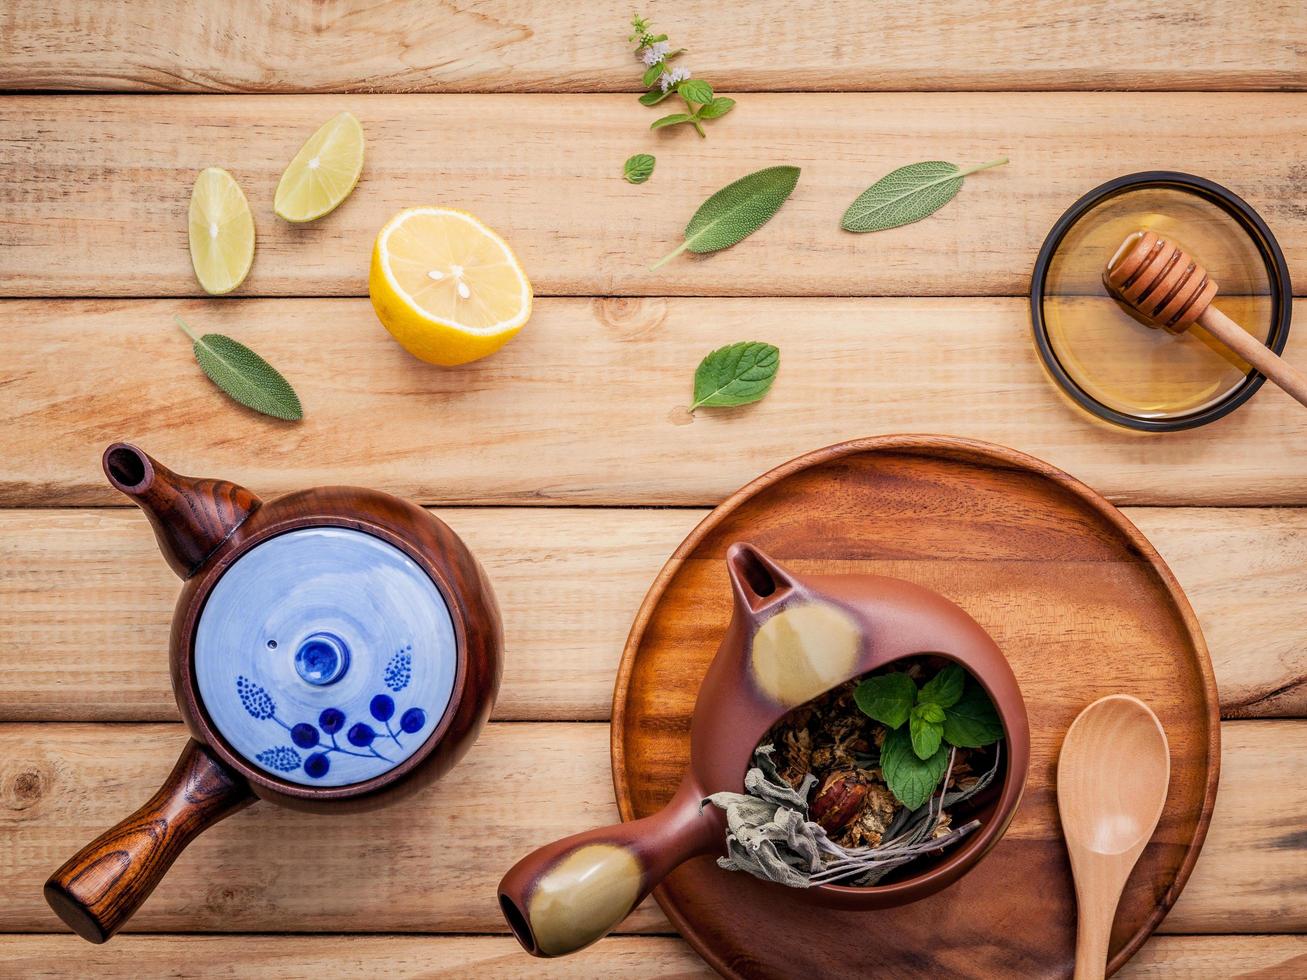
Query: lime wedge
[(221, 231), (323, 172)]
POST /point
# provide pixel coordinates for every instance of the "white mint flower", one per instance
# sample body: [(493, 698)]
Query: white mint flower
[(670, 78), (655, 53)]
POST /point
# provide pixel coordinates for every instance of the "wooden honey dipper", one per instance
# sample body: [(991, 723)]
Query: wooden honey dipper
[(1168, 289)]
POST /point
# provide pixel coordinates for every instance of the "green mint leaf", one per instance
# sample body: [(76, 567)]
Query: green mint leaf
[(656, 38), (244, 375), (907, 195), (717, 107), (654, 96), (931, 713), (886, 698), (911, 779), (972, 722), (945, 688), (638, 168), (925, 732), (735, 375), (736, 211), (695, 90), (652, 74), (672, 120)]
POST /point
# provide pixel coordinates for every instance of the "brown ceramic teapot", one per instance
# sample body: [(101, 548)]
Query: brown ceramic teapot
[(330, 650), (790, 639)]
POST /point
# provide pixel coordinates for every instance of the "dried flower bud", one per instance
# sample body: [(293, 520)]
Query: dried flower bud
[(838, 801)]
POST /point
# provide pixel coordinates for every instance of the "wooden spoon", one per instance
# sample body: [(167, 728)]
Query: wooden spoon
[(1168, 289), (1112, 777)]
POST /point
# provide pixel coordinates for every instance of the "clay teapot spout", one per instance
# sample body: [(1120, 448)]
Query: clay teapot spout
[(191, 517)]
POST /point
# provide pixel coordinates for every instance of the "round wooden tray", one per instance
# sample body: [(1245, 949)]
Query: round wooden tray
[(1072, 592)]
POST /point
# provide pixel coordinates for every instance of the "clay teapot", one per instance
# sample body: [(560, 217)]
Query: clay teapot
[(331, 650), (790, 639)]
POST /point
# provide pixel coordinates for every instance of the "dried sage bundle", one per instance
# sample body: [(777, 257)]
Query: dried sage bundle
[(770, 836)]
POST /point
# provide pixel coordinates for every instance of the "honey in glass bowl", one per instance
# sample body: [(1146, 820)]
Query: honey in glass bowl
[(1114, 365)]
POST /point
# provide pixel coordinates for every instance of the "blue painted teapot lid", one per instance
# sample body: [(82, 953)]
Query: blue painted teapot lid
[(325, 656)]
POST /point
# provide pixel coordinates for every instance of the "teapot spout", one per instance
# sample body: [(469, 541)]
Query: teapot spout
[(191, 517)]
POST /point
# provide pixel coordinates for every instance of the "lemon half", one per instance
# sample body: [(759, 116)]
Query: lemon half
[(323, 172), (221, 231), (447, 287)]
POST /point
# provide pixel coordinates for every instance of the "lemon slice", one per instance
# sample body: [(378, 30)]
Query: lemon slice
[(221, 231), (323, 172), (447, 287)]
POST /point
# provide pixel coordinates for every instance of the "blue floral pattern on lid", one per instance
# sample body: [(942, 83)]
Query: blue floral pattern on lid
[(325, 656)]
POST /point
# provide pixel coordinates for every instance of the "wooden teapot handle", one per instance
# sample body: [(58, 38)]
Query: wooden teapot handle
[(103, 884)]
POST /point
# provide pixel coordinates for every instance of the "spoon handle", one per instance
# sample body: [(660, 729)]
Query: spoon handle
[(1093, 933)]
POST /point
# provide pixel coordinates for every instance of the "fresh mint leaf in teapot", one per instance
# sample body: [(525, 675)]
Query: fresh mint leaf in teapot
[(736, 374), (662, 79), (888, 698), (244, 376), (950, 709), (972, 722), (908, 194), (736, 211), (911, 777), (638, 168)]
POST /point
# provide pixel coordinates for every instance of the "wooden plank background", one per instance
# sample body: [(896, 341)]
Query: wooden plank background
[(565, 459)]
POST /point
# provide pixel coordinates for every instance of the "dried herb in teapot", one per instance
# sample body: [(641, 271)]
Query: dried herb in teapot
[(838, 793)]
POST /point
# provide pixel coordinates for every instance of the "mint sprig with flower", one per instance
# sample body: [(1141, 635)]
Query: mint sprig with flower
[(663, 79)]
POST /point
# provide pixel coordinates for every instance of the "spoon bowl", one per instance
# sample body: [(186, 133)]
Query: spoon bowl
[(1112, 778)]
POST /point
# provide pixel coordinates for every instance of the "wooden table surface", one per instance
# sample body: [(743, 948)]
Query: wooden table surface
[(560, 459)]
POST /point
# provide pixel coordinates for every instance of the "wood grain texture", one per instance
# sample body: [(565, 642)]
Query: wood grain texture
[(94, 190), (515, 46), (586, 406), (1079, 605), (65, 589), (618, 957), (433, 863)]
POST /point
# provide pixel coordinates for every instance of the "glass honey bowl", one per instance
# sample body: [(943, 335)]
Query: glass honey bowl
[(1114, 366)]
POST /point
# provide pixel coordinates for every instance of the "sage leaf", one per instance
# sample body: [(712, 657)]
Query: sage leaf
[(908, 194), (638, 168), (926, 729), (912, 780), (972, 722), (736, 211), (737, 374), (244, 376), (945, 688), (886, 698), (654, 96), (696, 90), (717, 107), (672, 120)]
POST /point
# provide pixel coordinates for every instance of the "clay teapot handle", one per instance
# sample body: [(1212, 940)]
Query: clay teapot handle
[(567, 894), (104, 883)]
